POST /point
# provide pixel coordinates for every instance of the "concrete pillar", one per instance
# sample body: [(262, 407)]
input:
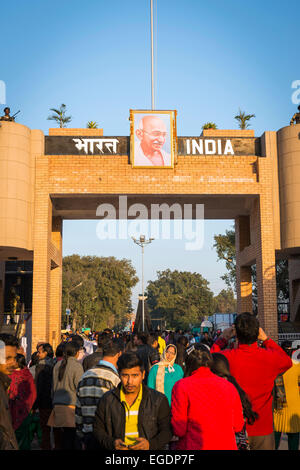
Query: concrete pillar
[(265, 266), (56, 285), (243, 273), (41, 257)]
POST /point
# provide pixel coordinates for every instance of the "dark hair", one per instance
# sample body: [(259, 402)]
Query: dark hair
[(21, 361), (34, 359), (143, 337), (77, 339), (181, 345), (111, 347), (220, 367), (247, 328), (9, 340), (130, 360), (108, 332), (60, 350), (182, 341), (70, 350), (287, 347), (48, 349), (197, 356)]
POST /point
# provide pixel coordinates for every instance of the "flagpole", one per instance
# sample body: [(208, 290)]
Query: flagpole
[(152, 56)]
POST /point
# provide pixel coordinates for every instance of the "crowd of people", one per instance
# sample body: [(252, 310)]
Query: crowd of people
[(234, 390)]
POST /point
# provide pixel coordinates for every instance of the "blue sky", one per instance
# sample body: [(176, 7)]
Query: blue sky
[(94, 56)]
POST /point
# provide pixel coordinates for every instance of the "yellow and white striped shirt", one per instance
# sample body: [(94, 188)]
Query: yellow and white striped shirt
[(132, 413)]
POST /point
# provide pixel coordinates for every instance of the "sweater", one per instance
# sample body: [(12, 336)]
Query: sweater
[(64, 391), (206, 412), (92, 386), (255, 369), (170, 379)]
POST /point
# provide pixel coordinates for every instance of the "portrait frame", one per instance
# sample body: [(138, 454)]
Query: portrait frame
[(169, 148)]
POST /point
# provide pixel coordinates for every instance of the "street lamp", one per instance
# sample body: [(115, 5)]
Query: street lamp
[(142, 242), (70, 290)]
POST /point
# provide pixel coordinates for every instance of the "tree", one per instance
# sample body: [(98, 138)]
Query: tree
[(209, 125), (92, 125), (243, 119), (103, 298), (225, 246), (182, 298), (59, 116), (225, 302)]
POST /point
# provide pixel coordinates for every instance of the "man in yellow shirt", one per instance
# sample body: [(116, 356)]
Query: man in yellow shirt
[(132, 416)]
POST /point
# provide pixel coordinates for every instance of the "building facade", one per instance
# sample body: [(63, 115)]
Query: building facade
[(47, 179)]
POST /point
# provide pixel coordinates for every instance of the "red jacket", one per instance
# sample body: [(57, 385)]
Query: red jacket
[(206, 412), (255, 369)]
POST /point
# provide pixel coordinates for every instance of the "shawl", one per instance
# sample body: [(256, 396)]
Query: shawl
[(22, 395), (163, 363)]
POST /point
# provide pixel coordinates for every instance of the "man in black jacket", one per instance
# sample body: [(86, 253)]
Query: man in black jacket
[(132, 416), (43, 382)]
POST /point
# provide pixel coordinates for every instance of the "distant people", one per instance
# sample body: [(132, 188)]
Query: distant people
[(59, 353), (296, 118), (255, 368), (182, 344), (91, 361), (82, 352), (33, 363), (92, 386), (287, 402), (66, 377), (206, 339), (22, 395), (220, 367), (43, 382), (206, 409), (148, 352), (8, 353), (132, 416), (7, 116), (163, 376)]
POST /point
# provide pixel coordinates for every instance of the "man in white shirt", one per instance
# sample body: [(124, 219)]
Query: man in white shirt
[(152, 134)]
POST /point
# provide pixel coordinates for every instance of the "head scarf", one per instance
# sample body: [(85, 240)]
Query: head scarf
[(163, 363)]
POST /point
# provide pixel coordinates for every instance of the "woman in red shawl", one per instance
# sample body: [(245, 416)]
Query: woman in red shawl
[(22, 395)]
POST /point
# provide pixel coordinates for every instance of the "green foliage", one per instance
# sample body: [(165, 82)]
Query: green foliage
[(243, 119), (180, 297), (209, 125), (225, 247), (103, 299), (225, 302), (59, 116), (92, 125)]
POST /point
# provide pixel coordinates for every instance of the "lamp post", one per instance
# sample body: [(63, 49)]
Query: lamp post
[(70, 290), (142, 242)]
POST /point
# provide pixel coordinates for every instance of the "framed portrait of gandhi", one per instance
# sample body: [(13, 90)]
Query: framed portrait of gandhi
[(153, 139)]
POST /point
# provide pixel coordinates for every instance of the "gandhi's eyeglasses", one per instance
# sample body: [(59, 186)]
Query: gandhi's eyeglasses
[(156, 134)]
